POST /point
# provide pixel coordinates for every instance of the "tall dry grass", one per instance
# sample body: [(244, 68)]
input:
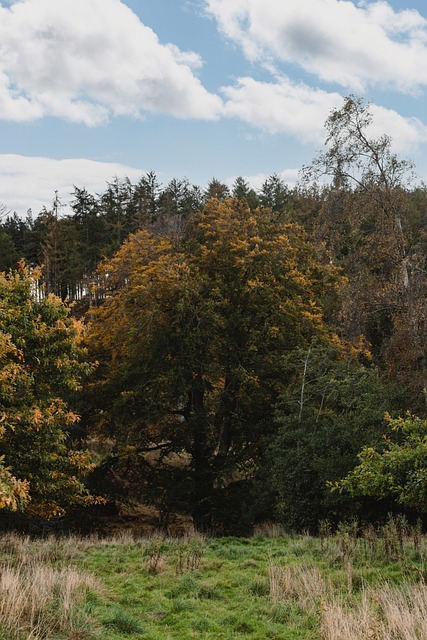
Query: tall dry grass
[(386, 612), (40, 597), (37, 601), (41, 593), (303, 585)]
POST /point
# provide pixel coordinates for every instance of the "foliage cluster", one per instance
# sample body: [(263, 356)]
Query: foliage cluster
[(42, 361), (398, 468)]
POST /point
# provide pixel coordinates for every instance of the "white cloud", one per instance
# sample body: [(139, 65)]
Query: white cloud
[(301, 111), (85, 60), (351, 44), (406, 133), (30, 182), (281, 107)]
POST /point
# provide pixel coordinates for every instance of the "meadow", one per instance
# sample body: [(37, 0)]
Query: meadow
[(352, 584)]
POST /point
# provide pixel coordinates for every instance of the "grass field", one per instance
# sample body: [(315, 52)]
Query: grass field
[(335, 587)]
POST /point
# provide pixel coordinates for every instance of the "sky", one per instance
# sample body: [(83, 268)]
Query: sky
[(198, 89)]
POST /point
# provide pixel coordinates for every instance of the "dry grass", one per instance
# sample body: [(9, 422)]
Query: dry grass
[(39, 595), (405, 612), (386, 613), (51, 550), (340, 622), (382, 613), (302, 585), (327, 586)]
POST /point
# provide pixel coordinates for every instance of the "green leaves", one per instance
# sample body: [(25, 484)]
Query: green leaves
[(398, 468), (331, 405)]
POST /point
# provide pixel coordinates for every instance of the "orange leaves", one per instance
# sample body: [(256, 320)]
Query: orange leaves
[(81, 461), (40, 360), (204, 319), (14, 493), (38, 417)]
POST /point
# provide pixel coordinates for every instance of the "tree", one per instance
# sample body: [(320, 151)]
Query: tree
[(146, 196), (365, 226), (54, 262), (216, 189), (191, 341), (334, 402), (27, 236), (241, 190), (3, 210), (42, 362), (354, 158), (13, 492), (86, 239), (176, 203), (8, 254), (118, 211), (274, 194), (397, 469)]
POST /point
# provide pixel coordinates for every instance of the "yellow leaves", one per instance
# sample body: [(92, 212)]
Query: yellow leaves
[(253, 283), (88, 501), (71, 418), (81, 461), (47, 416), (37, 417), (60, 363), (14, 494), (36, 273), (7, 348), (313, 315), (40, 359)]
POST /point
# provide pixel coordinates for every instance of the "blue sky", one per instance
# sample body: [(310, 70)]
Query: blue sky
[(92, 89)]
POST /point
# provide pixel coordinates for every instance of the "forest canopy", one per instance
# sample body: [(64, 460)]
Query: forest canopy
[(224, 353)]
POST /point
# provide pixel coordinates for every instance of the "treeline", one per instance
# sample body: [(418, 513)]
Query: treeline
[(70, 246), (229, 352)]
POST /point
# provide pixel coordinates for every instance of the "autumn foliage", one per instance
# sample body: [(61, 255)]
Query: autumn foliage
[(41, 362), (192, 336), (247, 343)]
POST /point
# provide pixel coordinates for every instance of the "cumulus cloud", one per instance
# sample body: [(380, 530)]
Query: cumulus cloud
[(30, 182), (406, 133), (281, 107), (352, 44), (296, 109), (85, 60)]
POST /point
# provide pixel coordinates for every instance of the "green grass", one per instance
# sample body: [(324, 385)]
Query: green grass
[(235, 589)]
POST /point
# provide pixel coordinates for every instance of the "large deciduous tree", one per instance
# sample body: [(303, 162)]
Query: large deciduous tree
[(192, 339), (365, 226), (41, 361)]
